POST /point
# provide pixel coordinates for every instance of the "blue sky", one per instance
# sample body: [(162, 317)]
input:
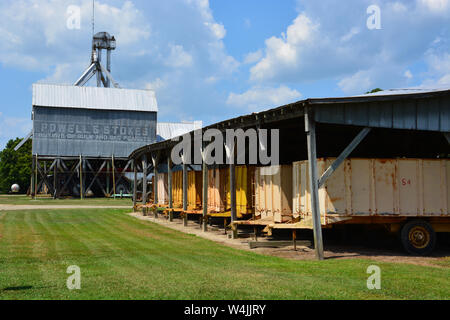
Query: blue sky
[(213, 60)]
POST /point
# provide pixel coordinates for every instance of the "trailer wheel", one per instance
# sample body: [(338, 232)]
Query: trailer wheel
[(418, 237)]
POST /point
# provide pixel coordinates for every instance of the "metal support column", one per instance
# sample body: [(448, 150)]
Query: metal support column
[(55, 179), (310, 128), (155, 174), (144, 179), (134, 183), (33, 176), (205, 193), (185, 191), (108, 172), (99, 70), (81, 177), (114, 176), (169, 182), (108, 67)]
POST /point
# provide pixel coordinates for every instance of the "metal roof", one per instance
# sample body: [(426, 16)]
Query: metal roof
[(169, 130), (67, 96), (418, 109)]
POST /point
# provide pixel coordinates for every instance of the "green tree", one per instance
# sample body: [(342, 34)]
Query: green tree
[(374, 90), (15, 166)]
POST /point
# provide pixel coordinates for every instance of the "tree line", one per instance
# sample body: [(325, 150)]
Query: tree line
[(15, 166)]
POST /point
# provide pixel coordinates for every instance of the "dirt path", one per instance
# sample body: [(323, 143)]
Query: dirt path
[(331, 251), (11, 207)]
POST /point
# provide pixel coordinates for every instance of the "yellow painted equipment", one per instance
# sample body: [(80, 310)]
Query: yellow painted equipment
[(244, 190), (194, 190), (217, 190), (219, 195), (177, 189), (273, 193), (162, 185)]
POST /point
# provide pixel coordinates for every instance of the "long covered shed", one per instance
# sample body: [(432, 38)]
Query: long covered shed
[(388, 124)]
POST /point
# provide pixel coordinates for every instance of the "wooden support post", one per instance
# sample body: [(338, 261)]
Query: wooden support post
[(233, 197), (144, 179), (185, 186), (36, 189), (81, 177), (205, 194), (114, 176), (310, 128), (33, 176), (294, 238), (155, 174), (108, 172), (170, 215), (134, 183), (185, 219), (55, 179), (185, 192), (169, 182)]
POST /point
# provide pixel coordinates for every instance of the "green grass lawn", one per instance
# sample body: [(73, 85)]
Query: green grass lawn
[(25, 200), (125, 258)]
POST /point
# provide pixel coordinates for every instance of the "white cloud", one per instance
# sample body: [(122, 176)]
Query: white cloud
[(438, 74), (284, 52), (259, 98), (178, 57), (156, 85), (358, 82), (253, 57), (408, 74), (353, 32), (435, 6), (217, 29), (13, 127), (330, 41), (188, 57)]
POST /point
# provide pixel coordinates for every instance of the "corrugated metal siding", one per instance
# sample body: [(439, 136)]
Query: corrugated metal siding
[(169, 130), (65, 96), (376, 187), (93, 133), (432, 114), (273, 192)]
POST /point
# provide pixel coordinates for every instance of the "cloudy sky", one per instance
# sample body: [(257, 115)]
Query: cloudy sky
[(213, 60)]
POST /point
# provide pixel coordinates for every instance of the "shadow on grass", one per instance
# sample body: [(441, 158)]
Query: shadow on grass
[(18, 288)]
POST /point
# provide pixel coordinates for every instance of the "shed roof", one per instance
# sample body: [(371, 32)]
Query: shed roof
[(410, 109), (68, 96), (169, 130)]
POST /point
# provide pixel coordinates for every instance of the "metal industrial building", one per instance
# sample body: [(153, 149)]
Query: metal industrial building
[(82, 135), (390, 124), (91, 130)]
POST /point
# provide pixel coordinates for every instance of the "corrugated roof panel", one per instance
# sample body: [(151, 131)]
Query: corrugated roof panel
[(169, 130), (66, 96)]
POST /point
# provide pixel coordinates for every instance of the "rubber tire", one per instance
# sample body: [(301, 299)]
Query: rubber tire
[(411, 249)]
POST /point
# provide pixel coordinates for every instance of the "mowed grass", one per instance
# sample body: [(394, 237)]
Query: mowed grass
[(48, 201), (125, 258)]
